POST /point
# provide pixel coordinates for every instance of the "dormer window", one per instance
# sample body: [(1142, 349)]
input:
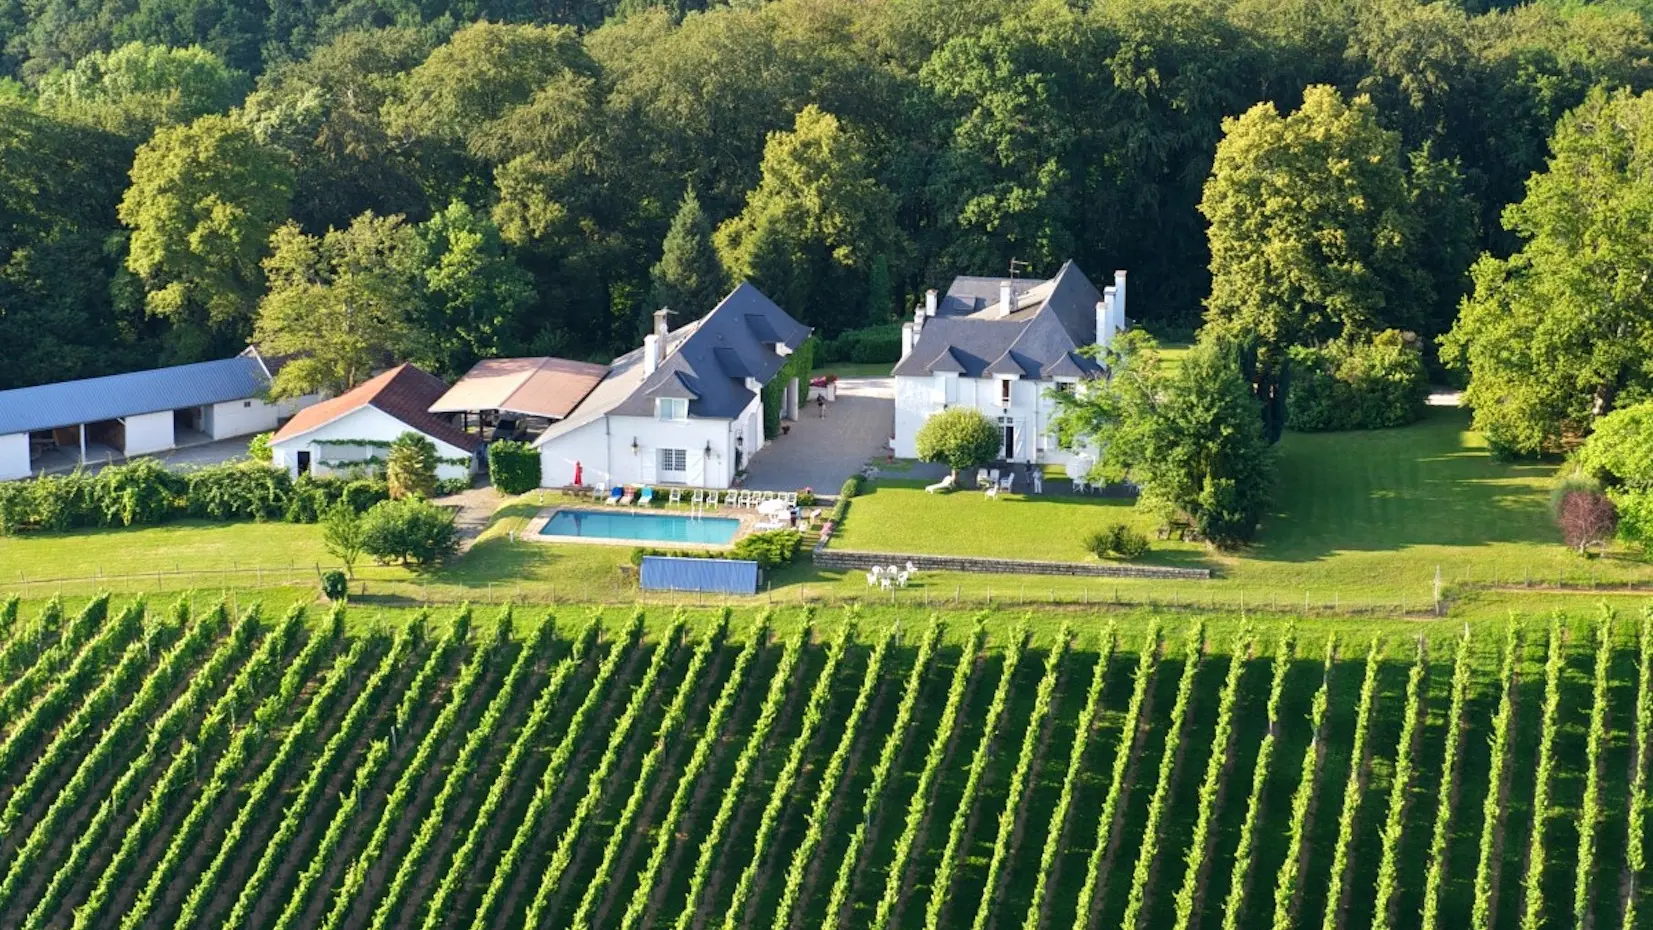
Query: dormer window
[(671, 408), (1004, 392)]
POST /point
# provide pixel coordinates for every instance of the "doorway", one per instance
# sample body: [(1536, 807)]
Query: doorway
[(304, 461), (1008, 453)]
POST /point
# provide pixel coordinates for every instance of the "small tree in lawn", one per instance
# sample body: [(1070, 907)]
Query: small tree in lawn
[(410, 469), (344, 535), (1586, 518), (961, 437)]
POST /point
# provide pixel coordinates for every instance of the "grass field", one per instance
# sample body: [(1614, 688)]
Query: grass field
[(752, 779), (1362, 522)]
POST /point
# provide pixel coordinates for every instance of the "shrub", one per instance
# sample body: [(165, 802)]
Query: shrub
[(806, 497), (361, 494), (1635, 512), (239, 491), (769, 549), (409, 531), (311, 496), (334, 586), (1570, 485), (138, 493), (514, 467), (1366, 385), (447, 486), (852, 486), (258, 448), (869, 345), (1586, 518), (959, 437), (1118, 541), (410, 467)]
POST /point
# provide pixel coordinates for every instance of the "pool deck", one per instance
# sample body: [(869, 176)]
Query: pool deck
[(533, 531)]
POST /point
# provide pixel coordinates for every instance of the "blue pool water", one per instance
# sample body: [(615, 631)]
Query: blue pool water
[(641, 527)]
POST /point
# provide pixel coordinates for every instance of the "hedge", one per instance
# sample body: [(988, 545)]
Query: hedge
[(143, 493), (872, 344), (514, 467), (1369, 385)]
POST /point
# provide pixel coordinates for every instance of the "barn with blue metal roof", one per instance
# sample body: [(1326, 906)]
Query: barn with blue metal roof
[(95, 420)]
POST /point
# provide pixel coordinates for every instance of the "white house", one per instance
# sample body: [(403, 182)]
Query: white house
[(341, 435), (1001, 346), (141, 412), (686, 408)]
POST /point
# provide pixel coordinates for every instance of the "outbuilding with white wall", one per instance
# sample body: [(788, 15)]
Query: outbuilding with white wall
[(353, 431), (96, 420)]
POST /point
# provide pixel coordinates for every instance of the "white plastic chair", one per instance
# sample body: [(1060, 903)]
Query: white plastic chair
[(676, 496), (698, 497), (872, 578)]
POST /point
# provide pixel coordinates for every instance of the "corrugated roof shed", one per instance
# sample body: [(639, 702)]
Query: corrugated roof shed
[(711, 576), (111, 397)]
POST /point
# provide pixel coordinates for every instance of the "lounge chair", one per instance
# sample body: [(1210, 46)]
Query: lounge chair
[(676, 496), (625, 498), (647, 497), (945, 484)]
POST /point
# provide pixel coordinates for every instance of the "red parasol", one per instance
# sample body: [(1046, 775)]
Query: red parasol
[(577, 474)]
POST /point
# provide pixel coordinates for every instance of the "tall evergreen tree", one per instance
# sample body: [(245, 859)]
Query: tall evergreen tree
[(689, 277)]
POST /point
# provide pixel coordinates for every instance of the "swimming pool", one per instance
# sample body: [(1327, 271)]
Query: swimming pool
[(641, 527)]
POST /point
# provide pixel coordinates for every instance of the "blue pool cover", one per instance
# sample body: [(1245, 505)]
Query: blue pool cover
[(632, 526), (712, 576)]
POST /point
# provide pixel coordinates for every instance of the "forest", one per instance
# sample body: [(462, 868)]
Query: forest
[(450, 181)]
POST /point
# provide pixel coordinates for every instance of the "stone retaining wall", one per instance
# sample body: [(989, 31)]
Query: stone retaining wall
[(851, 559)]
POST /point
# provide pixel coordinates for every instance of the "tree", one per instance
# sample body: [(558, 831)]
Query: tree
[(959, 437), (341, 302), (689, 277), (409, 531), (343, 533), (1553, 336), (1586, 518), (1619, 454), (203, 202), (818, 201), (410, 468), (475, 295), (139, 87), (1312, 232), (1192, 441)]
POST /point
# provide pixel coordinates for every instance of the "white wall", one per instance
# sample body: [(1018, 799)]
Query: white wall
[(363, 423), (149, 432), (1030, 410), (14, 456), (603, 449), (245, 417)]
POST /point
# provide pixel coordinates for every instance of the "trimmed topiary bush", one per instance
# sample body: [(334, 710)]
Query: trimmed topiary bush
[(334, 585), (514, 467)]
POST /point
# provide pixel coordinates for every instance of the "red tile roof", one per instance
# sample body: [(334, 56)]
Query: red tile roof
[(405, 392)]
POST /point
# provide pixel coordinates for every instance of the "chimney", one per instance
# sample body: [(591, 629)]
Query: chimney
[(1119, 301), (651, 351), (930, 302), (1104, 317), (918, 321), (1007, 298), (906, 340), (661, 327)]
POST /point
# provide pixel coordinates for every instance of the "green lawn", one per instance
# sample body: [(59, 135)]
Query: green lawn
[(1365, 517), (1362, 522)]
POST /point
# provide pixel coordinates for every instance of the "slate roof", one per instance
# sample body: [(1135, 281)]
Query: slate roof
[(406, 392), (706, 362), (543, 386), (1037, 340), (67, 403)]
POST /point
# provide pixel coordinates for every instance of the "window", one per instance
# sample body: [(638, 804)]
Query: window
[(672, 408), (1004, 392), (247, 403), (1064, 387), (674, 460)]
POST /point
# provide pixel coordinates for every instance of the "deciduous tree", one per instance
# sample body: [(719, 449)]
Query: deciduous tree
[(960, 438), (203, 202), (341, 302), (1553, 336)]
